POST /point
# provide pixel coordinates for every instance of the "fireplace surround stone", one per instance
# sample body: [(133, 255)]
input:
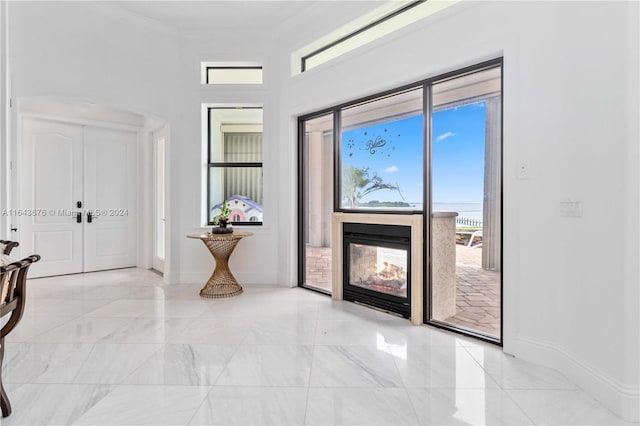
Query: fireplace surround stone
[(412, 220), (443, 258)]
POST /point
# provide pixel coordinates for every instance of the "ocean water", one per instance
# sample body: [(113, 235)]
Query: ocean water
[(472, 210)]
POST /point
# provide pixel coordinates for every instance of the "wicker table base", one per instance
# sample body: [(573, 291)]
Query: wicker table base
[(218, 291), (222, 283)]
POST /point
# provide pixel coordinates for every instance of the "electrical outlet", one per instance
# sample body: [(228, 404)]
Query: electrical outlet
[(571, 208)]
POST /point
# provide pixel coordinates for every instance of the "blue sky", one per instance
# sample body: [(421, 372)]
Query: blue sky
[(394, 151), (458, 154)]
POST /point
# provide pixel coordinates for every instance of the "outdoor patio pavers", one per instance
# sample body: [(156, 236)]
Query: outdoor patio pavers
[(477, 293)]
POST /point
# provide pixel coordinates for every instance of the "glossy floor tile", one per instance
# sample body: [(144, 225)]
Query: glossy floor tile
[(450, 406), (442, 367), (122, 348), (183, 364), (268, 365), (513, 373), (353, 366), (52, 404), (146, 405), (359, 406), (563, 407), (45, 362), (252, 406)]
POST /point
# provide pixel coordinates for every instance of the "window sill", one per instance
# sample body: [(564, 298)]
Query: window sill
[(256, 229)]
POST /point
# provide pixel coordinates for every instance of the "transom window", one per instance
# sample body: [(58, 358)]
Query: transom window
[(231, 73), (380, 22)]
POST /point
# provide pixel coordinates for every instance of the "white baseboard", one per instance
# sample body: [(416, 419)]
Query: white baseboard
[(622, 399)]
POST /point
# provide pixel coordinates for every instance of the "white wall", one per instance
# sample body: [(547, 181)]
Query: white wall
[(4, 117), (91, 52), (255, 259), (570, 114)]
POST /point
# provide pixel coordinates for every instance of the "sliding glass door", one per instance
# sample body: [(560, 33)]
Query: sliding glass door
[(316, 195), (466, 183), (434, 149)]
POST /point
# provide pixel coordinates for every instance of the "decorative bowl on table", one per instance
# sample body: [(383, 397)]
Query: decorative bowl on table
[(218, 230)]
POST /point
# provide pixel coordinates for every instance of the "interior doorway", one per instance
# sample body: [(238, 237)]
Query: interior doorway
[(159, 191)]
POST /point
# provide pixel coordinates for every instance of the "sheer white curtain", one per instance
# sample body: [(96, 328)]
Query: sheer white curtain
[(492, 231)]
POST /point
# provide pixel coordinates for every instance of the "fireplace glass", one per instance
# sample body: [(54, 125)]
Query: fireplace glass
[(377, 265), (378, 269)]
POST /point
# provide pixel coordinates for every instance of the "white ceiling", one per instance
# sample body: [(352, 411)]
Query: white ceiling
[(187, 15)]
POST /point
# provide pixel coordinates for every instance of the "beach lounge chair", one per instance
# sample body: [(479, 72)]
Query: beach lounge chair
[(474, 235)]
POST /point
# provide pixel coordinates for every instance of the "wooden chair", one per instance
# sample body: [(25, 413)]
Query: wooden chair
[(9, 245), (13, 278)]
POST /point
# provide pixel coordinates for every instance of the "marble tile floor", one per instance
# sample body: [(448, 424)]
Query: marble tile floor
[(121, 348)]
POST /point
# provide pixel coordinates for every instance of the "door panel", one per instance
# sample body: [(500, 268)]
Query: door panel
[(466, 194), (62, 241), (110, 194), (64, 164), (51, 187)]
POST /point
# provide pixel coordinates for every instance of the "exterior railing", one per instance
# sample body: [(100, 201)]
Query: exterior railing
[(468, 222)]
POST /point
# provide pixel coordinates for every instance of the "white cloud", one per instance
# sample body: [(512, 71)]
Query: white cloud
[(390, 169), (444, 136)]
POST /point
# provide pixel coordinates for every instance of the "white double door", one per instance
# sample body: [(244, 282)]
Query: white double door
[(78, 197)]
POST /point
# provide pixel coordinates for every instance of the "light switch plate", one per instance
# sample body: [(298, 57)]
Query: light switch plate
[(524, 171)]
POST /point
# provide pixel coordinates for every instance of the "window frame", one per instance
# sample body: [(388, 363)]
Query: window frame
[(338, 161), (224, 165), (352, 34), (232, 67), (427, 83)]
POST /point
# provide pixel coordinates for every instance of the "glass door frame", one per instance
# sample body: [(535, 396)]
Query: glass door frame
[(427, 270), (427, 191), (302, 180)]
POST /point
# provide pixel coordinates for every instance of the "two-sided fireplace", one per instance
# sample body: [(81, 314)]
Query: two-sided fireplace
[(377, 266)]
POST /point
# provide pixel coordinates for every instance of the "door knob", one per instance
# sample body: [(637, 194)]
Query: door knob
[(89, 217), (79, 217)]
